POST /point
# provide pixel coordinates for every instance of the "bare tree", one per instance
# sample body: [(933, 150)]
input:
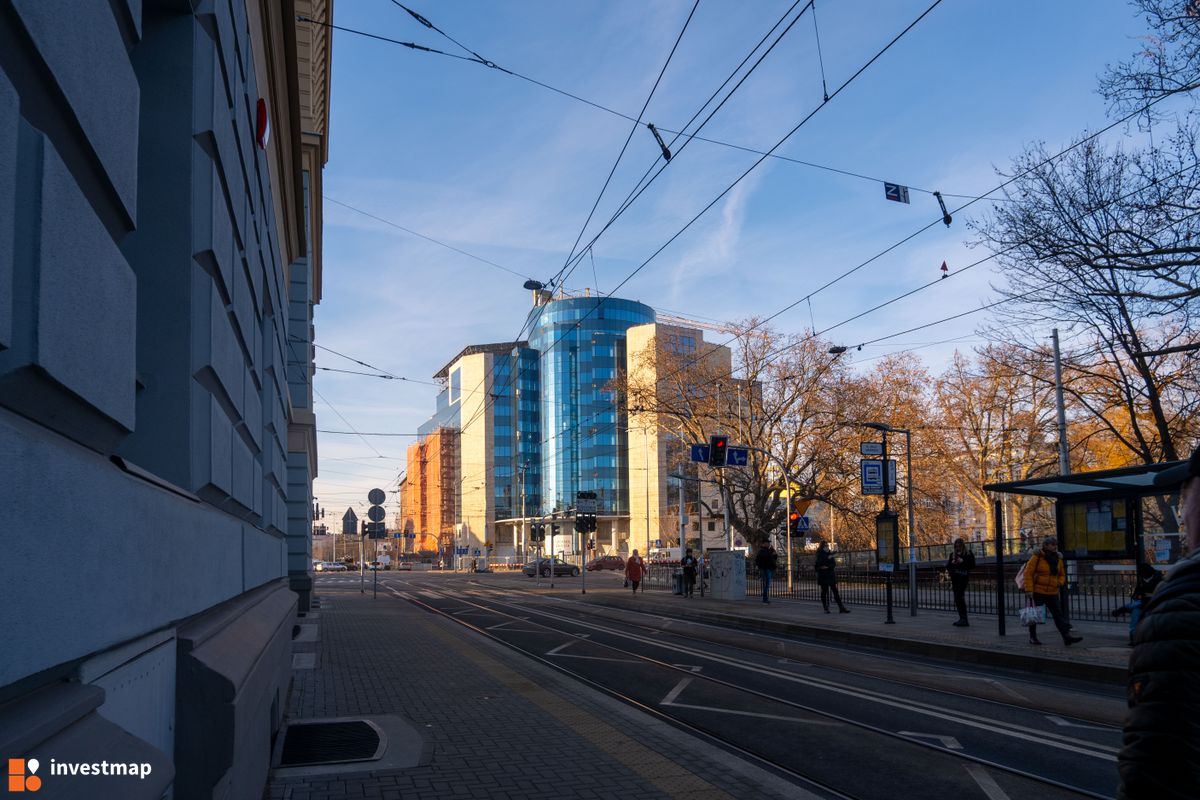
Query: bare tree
[(773, 392), (1169, 61), (1104, 243)]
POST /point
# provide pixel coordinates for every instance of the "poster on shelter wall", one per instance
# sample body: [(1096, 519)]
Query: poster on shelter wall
[(1095, 528)]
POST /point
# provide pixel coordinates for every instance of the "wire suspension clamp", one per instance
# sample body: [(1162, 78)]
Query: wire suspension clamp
[(665, 150)]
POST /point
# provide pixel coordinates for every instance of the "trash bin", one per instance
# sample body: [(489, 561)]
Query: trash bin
[(677, 582)]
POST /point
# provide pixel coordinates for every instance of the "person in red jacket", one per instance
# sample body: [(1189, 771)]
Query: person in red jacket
[(634, 569)]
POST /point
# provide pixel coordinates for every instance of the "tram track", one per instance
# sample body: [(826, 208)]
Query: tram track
[(669, 710)]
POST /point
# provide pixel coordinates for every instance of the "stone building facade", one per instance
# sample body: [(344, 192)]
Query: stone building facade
[(160, 256)]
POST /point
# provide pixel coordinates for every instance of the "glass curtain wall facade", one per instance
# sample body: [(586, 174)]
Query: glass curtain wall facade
[(516, 434), (581, 344)]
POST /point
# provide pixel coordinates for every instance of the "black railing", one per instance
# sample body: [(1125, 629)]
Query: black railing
[(1091, 595)]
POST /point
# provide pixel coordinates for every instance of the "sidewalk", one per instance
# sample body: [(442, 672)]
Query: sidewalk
[(468, 718)]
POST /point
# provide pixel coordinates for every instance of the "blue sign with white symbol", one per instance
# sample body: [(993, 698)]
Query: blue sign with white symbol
[(700, 453), (803, 524), (736, 456)]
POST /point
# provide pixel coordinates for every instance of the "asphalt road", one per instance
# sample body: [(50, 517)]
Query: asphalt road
[(843, 720)]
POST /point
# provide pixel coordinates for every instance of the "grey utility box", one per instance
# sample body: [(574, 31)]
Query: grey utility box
[(728, 570)]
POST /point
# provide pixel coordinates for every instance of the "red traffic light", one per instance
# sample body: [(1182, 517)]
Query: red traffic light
[(795, 515)]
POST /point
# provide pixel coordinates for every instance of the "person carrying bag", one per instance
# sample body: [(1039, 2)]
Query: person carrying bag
[(1045, 574)]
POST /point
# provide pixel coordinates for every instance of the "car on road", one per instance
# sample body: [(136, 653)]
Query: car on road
[(605, 562), (404, 566), (331, 566), (375, 565), (560, 568)]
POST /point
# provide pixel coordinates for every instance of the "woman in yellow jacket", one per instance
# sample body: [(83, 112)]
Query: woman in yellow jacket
[(1045, 573)]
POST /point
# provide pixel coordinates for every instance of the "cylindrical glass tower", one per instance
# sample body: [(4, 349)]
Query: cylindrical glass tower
[(581, 341)]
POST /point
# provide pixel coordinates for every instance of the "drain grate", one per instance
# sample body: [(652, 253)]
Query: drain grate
[(329, 743)]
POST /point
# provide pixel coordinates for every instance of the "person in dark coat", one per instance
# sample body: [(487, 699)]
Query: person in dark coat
[(767, 560), (1162, 733), (1147, 581), (826, 566), (689, 573), (959, 565)]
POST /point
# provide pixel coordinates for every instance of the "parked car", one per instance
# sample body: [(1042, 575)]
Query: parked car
[(560, 568), (404, 566), (375, 565), (331, 566), (606, 562)]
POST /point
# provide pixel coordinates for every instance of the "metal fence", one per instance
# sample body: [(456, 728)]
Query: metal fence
[(1090, 594)]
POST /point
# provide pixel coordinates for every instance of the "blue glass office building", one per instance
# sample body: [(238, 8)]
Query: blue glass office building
[(579, 344)]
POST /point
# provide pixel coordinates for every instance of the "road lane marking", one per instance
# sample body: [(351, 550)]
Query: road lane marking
[(1094, 750), (948, 742), (1066, 723), (986, 782), (558, 652)]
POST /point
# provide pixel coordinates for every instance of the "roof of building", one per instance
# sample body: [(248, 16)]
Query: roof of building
[(471, 349)]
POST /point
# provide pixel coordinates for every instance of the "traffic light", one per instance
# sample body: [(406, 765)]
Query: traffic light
[(716, 450), (585, 522), (554, 529), (794, 522)]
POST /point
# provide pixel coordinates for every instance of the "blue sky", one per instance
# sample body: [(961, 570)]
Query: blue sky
[(507, 171)]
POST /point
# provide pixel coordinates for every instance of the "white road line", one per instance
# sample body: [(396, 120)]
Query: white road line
[(671, 695), (1066, 723), (558, 652), (1098, 751), (986, 782), (826, 722), (945, 741)]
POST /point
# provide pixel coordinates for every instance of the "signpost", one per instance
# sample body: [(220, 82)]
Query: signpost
[(871, 476), (349, 522)]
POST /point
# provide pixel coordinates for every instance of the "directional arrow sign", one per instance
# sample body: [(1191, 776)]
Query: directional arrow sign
[(349, 522), (736, 456)]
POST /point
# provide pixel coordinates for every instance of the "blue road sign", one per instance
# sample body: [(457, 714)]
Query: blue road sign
[(803, 524), (700, 453), (736, 456)]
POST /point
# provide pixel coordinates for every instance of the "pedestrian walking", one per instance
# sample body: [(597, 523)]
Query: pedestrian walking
[(766, 560), (959, 566), (1045, 573), (1147, 581), (1161, 738), (689, 573), (634, 569), (826, 566)]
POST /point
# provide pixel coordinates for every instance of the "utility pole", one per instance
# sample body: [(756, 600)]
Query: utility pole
[(1064, 466)]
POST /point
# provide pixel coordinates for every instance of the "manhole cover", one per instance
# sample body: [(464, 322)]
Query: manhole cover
[(329, 743)]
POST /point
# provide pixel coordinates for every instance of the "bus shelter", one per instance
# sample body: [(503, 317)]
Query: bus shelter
[(1107, 523), (1115, 514)]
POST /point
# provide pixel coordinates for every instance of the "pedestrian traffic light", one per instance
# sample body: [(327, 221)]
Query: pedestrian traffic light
[(555, 528), (716, 450), (794, 522)]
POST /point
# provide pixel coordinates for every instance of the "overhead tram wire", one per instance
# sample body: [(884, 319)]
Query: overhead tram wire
[(622, 115), (976, 263), (729, 188), (642, 182), (637, 124), (426, 238), (716, 346)]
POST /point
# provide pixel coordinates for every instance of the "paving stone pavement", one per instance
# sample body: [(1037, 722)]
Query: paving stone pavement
[(497, 725)]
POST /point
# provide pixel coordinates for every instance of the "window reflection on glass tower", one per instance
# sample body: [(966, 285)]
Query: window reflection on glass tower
[(581, 342)]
